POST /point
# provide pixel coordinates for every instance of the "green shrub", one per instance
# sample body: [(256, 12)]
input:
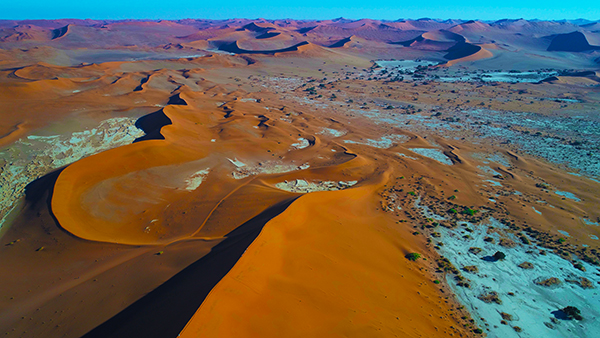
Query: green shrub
[(470, 212), (579, 266), (413, 256)]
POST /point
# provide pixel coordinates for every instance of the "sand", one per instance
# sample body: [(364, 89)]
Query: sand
[(261, 177)]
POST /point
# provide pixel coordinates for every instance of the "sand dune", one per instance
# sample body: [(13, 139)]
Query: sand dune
[(60, 32), (234, 48), (571, 42), (342, 42), (470, 26), (254, 27), (271, 177), (461, 50), (289, 290), (434, 41)]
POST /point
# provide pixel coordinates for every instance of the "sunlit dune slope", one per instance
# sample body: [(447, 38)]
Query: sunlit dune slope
[(329, 266)]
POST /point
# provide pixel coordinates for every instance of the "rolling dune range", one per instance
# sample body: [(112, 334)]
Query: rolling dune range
[(271, 178)]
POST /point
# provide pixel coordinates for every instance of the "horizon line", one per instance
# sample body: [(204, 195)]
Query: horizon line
[(289, 18)]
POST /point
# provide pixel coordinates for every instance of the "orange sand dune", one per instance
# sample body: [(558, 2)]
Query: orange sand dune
[(481, 54), (211, 224), (333, 266), (128, 226)]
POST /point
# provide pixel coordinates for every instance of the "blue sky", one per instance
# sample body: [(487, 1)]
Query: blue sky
[(301, 9)]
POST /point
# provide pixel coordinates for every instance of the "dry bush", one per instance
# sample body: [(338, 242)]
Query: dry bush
[(490, 297), (526, 265), (507, 243), (506, 316), (471, 268), (549, 282), (474, 250), (583, 282)]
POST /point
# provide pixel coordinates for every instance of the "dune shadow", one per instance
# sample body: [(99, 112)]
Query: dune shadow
[(177, 100), (38, 196), (235, 49), (40, 189), (461, 50), (341, 43), (60, 32), (165, 311), (267, 35), (151, 124)]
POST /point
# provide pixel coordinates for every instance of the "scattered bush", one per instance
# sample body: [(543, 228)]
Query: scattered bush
[(470, 212), (499, 255), (524, 239), (445, 265), (526, 265), (579, 266), (507, 243), (517, 329), (490, 297), (413, 256), (583, 282), (572, 312), (549, 281), (478, 331), (506, 316), (474, 250), (471, 268)]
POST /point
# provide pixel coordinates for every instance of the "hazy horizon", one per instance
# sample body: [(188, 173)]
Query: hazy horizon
[(310, 10), (303, 19)]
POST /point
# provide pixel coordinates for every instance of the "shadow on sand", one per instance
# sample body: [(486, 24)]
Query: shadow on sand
[(165, 311)]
